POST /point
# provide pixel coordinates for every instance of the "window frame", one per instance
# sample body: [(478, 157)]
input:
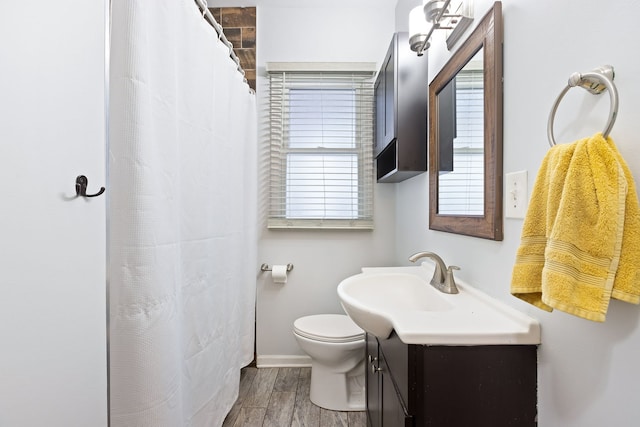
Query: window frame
[(280, 150)]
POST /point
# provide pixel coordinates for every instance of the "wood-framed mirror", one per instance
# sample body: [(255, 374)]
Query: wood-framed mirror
[(465, 136)]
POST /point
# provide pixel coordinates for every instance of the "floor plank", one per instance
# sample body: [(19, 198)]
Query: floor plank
[(357, 419), (280, 410), (260, 391), (232, 416), (247, 375), (333, 418), (287, 379), (305, 413), (250, 417), (279, 397)]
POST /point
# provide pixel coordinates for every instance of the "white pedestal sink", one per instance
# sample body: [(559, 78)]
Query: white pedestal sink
[(380, 300)]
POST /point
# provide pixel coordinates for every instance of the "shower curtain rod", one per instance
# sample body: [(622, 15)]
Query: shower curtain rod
[(204, 8)]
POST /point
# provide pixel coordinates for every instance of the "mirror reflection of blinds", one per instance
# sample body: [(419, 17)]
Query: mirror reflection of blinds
[(321, 150), (461, 191)]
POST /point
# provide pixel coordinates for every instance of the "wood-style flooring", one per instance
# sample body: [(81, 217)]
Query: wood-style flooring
[(279, 397)]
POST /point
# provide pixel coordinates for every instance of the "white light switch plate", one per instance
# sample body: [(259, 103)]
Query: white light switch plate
[(516, 194)]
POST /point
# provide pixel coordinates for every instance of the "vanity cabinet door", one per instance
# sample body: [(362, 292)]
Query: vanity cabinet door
[(374, 395), (394, 413), (480, 386), (385, 407)]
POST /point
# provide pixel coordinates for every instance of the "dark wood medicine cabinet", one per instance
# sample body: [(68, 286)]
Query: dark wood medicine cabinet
[(401, 94)]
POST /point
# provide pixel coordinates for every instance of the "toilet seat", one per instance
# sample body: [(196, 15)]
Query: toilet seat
[(331, 328)]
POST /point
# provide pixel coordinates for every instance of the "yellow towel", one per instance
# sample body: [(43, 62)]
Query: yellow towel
[(580, 242)]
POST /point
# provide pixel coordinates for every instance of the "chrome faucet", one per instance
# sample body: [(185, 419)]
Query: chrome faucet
[(443, 279)]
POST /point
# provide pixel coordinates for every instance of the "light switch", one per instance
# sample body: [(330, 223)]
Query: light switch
[(516, 194)]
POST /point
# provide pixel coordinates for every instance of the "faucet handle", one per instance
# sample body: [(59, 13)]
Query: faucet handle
[(450, 281)]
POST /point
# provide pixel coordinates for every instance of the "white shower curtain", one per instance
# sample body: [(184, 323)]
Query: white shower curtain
[(182, 218)]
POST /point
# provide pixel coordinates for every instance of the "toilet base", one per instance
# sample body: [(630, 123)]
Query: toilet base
[(338, 391)]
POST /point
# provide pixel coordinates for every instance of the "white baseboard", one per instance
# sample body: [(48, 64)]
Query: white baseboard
[(278, 361)]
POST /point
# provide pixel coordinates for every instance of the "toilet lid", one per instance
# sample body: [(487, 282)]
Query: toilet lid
[(328, 328)]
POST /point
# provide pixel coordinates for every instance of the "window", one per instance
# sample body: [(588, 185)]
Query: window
[(321, 164)]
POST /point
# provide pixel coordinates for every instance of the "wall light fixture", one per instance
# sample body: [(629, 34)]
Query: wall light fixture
[(452, 15)]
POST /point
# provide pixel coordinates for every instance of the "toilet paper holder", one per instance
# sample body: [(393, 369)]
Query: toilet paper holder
[(266, 267)]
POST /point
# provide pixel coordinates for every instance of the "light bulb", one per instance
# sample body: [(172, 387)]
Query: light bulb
[(417, 23), (418, 29)]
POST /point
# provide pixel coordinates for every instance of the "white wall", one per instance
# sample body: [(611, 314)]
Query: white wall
[(321, 259), (53, 354), (589, 373), (314, 31)]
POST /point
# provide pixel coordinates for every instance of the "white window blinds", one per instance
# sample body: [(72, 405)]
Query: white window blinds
[(321, 165)]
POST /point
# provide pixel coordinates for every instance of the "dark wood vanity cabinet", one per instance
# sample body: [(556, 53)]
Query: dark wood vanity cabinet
[(401, 97), (450, 386)]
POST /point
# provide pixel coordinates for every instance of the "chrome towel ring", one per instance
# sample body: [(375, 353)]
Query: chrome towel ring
[(596, 82)]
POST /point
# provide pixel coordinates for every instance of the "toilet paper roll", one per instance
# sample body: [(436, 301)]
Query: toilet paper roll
[(279, 274)]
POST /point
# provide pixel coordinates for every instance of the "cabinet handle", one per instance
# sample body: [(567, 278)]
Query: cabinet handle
[(372, 360)]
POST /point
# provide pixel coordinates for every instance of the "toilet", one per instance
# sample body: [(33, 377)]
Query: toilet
[(336, 347)]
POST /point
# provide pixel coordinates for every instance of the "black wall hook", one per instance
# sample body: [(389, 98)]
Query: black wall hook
[(81, 187)]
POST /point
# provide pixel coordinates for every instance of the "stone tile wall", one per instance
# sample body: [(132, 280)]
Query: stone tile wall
[(239, 25)]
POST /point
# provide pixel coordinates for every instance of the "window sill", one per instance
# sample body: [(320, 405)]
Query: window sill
[(319, 224)]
